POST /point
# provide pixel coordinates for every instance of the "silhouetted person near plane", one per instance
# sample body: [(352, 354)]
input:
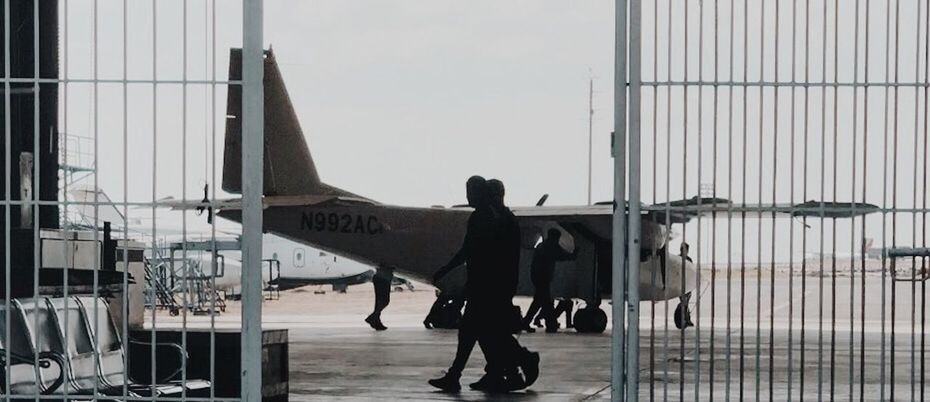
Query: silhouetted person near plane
[(476, 254), (485, 319), (382, 284), (503, 352), (542, 268)]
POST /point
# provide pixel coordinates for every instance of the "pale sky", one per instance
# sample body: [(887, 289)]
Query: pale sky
[(402, 100)]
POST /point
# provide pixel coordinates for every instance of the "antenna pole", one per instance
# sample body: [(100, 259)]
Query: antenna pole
[(590, 131)]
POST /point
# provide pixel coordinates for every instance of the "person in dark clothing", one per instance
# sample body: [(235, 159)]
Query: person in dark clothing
[(507, 243), (503, 351), (475, 253), (484, 319), (382, 284), (542, 268)]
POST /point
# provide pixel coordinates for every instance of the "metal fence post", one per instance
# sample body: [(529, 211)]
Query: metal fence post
[(632, 347), (252, 168), (618, 288)]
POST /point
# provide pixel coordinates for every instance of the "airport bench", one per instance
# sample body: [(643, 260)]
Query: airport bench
[(73, 361), (23, 359)]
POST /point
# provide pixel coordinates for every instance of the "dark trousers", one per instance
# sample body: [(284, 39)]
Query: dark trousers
[(382, 284), (564, 306), (542, 299), (486, 323), (502, 352), (469, 330)]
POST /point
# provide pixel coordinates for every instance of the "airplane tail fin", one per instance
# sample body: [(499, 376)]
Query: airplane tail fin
[(106, 211), (288, 166)]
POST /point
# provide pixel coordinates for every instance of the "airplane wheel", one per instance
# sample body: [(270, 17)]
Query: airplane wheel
[(590, 320)]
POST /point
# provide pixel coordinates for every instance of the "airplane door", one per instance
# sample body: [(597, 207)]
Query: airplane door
[(299, 258)]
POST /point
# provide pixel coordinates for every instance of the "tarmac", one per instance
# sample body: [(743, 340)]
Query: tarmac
[(846, 352)]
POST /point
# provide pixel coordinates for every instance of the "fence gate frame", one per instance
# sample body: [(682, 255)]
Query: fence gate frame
[(624, 378), (252, 186), (847, 39)]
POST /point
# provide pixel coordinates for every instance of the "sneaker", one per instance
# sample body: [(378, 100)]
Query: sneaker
[(510, 383), (485, 383), (530, 366), (375, 323), (427, 324), (447, 383), (529, 329)]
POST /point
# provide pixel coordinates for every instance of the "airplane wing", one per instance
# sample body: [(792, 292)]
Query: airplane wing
[(267, 201), (594, 218), (597, 218), (682, 211)]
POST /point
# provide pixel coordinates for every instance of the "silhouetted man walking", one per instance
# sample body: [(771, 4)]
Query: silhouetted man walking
[(476, 253), (490, 252), (547, 253), (503, 352)]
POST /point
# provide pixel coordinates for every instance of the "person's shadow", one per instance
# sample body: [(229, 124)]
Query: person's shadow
[(523, 395)]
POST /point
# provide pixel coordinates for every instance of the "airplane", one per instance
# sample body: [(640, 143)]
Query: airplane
[(302, 266), (868, 251), (289, 264), (415, 241)]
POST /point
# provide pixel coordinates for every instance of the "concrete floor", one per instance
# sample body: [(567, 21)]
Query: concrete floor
[(756, 355), (332, 365)]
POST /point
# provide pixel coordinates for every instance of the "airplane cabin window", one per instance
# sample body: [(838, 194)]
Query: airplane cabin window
[(298, 257)]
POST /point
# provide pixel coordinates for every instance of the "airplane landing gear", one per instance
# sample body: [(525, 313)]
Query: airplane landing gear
[(590, 320)]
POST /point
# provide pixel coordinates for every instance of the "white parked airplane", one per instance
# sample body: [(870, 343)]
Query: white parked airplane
[(416, 241), (288, 264)]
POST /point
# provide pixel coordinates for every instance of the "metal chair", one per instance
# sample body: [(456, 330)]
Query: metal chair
[(80, 375), (24, 363), (112, 370)]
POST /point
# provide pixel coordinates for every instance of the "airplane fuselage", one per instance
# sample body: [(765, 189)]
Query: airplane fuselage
[(417, 241)]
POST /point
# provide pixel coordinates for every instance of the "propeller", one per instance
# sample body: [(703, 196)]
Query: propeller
[(206, 200)]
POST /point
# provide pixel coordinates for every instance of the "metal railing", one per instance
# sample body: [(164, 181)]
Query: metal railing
[(771, 105), (140, 84)]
